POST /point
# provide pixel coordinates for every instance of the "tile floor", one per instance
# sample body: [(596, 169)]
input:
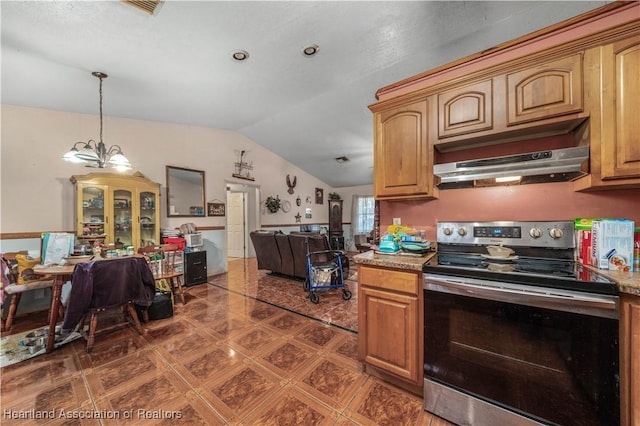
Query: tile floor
[(224, 358)]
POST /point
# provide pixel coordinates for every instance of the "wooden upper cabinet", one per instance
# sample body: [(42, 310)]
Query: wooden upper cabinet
[(547, 90), (466, 109), (621, 123), (402, 161), (612, 90)]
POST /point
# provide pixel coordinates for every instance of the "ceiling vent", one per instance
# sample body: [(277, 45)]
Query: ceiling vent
[(148, 6)]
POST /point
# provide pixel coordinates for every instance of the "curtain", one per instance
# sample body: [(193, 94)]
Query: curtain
[(362, 212)]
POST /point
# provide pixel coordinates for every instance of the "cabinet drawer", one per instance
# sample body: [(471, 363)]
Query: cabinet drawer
[(406, 282)]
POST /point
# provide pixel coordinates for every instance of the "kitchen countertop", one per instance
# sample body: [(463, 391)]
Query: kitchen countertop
[(398, 261), (628, 282)]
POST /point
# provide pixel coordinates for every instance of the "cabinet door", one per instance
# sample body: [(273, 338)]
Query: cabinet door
[(122, 202), (402, 161), (621, 110), (388, 332), (466, 109), (92, 205), (545, 91), (390, 321), (148, 218), (630, 360)]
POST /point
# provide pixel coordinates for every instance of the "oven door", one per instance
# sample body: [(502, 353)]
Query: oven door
[(539, 355)]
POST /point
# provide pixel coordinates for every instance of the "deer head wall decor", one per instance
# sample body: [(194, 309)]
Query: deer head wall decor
[(291, 185)]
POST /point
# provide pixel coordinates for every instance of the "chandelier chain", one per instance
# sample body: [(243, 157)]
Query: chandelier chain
[(101, 108)]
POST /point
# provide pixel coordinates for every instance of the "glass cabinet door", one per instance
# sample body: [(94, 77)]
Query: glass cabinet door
[(92, 214), (148, 219), (122, 218)]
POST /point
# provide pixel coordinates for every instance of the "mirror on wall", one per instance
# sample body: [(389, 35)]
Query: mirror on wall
[(185, 192)]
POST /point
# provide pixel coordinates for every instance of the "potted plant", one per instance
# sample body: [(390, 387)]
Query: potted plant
[(272, 204), (334, 196)]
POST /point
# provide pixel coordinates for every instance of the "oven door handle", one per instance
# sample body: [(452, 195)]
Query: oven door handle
[(560, 300)]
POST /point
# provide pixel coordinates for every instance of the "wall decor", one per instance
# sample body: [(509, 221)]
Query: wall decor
[(298, 201), (272, 204), (308, 200), (242, 167), (307, 213), (290, 184), (286, 206), (215, 208), (319, 196), (298, 217)]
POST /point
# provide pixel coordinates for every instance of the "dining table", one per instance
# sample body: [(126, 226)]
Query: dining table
[(61, 274)]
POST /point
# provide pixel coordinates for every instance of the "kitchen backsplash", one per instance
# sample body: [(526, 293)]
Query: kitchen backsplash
[(549, 201)]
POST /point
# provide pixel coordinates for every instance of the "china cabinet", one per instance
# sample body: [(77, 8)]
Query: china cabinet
[(116, 209)]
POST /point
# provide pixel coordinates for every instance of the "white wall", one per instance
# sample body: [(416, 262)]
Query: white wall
[(37, 196)]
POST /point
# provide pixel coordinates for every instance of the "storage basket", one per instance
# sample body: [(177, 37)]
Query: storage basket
[(322, 275)]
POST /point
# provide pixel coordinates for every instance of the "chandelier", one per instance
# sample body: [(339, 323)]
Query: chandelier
[(96, 154)]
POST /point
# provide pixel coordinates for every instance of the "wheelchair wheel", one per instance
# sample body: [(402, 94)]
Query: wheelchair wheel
[(314, 297), (346, 294)]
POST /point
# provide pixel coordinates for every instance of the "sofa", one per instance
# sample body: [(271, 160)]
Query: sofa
[(286, 254)]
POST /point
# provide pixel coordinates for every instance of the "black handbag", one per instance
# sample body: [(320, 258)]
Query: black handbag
[(161, 307)]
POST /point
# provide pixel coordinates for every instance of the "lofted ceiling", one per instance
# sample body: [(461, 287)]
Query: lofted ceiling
[(175, 65)]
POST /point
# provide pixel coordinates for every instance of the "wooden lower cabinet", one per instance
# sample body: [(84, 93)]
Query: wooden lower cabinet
[(630, 360), (390, 321)]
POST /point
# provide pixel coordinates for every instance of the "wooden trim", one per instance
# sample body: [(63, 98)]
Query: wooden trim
[(410, 85), (281, 225), (31, 234), (210, 228), (26, 235)]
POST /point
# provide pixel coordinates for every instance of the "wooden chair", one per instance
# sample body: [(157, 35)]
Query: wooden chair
[(14, 290), (106, 285), (162, 261)]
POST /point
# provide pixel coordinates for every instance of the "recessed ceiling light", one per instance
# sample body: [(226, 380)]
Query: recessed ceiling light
[(342, 159), (310, 50), (240, 55)]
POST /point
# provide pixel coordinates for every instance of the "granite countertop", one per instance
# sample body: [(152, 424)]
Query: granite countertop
[(628, 282), (398, 261)]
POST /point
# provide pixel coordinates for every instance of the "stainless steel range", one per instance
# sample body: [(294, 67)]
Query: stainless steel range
[(527, 338)]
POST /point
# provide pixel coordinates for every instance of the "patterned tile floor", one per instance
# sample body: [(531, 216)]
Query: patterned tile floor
[(223, 359)]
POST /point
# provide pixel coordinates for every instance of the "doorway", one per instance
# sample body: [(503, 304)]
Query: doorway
[(242, 218)]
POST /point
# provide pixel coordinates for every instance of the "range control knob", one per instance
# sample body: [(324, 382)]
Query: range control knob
[(462, 232), (535, 232), (556, 233), (447, 231)]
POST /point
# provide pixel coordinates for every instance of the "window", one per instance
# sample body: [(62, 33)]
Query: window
[(362, 214)]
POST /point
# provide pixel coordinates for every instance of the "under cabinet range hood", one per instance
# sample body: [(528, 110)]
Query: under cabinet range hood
[(555, 165)]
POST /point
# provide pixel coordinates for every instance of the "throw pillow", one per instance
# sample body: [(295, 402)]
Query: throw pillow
[(25, 268)]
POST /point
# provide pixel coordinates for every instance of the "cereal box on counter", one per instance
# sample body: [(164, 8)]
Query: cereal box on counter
[(612, 244)]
